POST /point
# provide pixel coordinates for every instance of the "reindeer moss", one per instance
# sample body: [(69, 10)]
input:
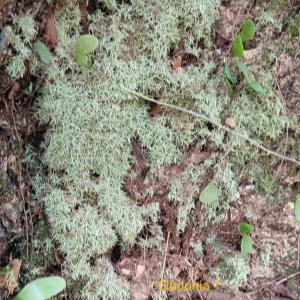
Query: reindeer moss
[(92, 119)]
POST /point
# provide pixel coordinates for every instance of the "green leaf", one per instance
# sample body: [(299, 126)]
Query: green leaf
[(246, 228), (85, 45), (243, 69), (228, 74), (229, 86), (297, 208), (255, 86), (246, 244), (248, 31), (42, 289), (210, 194), (42, 51), (237, 47)]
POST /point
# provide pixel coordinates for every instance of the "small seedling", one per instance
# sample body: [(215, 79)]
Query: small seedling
[(237, 47), (42, 289), (84, 46), (210, 194), (246, 34), (246, 244), (42, 51), (248, 31), (297, 208), (246, 228)]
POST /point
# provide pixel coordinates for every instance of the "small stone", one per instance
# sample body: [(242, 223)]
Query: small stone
[(126, 272), (230, 122)]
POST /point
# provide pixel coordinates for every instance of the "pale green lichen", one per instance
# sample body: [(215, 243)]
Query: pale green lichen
[(233, 270), (216, 211), (24, 33), (92, 119)]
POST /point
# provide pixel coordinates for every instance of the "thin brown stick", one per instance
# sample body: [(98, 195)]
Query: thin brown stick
[(274, 282), (164, 263), (219, 126)]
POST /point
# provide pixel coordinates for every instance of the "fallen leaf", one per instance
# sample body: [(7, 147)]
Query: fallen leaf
[(14, 90), (210, 194), (50, 34), (156, 110), (42, 51), (176, 63), (9, 275)]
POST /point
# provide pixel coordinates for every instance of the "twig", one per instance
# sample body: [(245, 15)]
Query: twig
[(219, 126), (298, 259), (164, 263), (274, 282)]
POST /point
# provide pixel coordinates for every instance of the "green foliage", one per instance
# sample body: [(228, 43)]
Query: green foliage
[(246, 34), (229, 75), (24, 33), (42, 51), (246, 228), (84, 46), (42, 289), (249, 79), (210, 194), (297, 208), (244, 70), (246, 244), (256, 87), (248, 31), (237, 47), (294, 26)]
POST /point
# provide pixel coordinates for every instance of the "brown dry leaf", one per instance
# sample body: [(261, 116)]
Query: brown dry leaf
[(9, 276), (84, 16), (156, 110), (176, 63), (230, 122), (50, 34), (14, 90)]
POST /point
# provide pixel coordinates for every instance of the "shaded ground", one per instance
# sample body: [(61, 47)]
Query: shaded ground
[(277, 236)]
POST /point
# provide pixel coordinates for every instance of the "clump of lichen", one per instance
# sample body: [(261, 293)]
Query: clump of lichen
[(25, 31), (92, 119), (233, 270), (90, 131)]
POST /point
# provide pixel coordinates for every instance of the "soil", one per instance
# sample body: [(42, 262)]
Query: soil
[(275, 225)]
